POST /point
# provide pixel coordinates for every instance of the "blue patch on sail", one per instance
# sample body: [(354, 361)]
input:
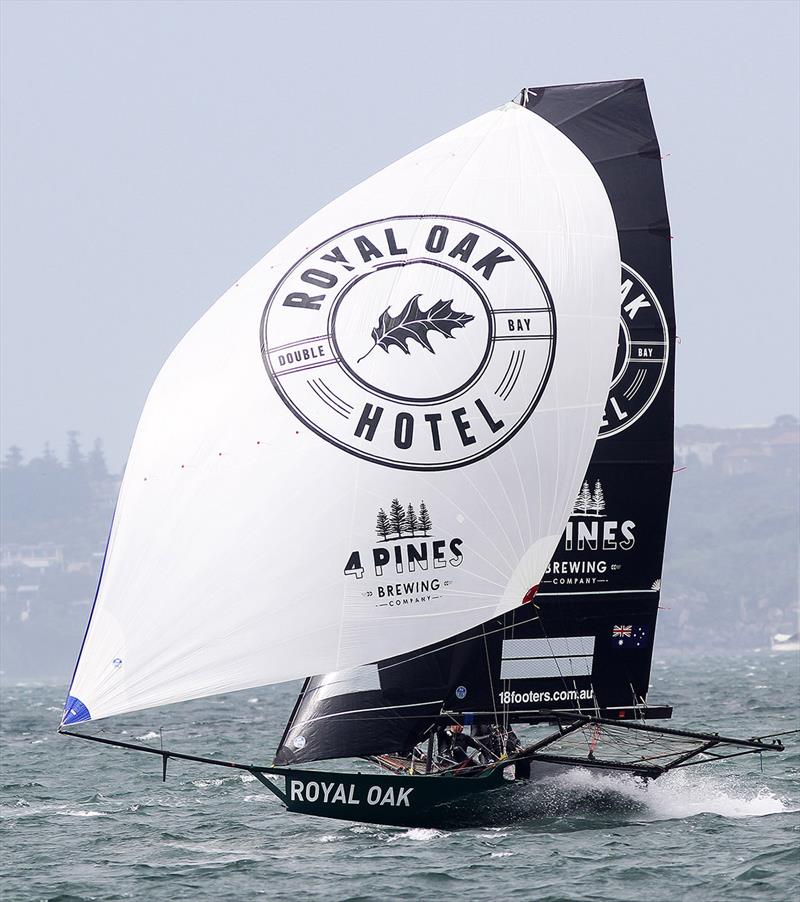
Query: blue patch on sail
[(75, 711)]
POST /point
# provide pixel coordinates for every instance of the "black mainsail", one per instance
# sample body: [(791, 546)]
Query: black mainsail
[(585, 641), (605, 577)]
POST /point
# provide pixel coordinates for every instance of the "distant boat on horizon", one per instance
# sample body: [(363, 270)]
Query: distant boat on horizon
[(786, 641)]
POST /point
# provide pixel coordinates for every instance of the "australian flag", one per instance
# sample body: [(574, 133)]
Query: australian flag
[(629, 635)]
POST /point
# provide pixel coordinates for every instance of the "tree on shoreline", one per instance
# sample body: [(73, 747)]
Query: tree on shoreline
[(13, 459), (75, 460), (96, 462)]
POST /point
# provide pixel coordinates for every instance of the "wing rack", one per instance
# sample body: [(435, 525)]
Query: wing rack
[(632, 746)]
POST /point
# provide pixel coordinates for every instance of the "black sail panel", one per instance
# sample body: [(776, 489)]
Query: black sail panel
[(370, 710), (585, 641), (606, 572), (562, 656), (386, 707), (354, 725)]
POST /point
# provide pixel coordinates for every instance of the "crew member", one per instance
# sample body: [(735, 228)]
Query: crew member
[(454, 744)]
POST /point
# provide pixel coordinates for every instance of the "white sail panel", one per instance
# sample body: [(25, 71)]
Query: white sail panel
[(374, 439)]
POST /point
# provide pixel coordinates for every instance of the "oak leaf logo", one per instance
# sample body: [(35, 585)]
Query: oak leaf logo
[(414, 324)]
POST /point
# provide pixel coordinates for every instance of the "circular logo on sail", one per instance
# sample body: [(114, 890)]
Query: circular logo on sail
[(642, 355), (419, 342)]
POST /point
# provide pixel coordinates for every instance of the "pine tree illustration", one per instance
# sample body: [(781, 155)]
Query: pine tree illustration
[(397, 517), (412, 523), (598, 501), (424, 523), (584, 500), (384, 526)]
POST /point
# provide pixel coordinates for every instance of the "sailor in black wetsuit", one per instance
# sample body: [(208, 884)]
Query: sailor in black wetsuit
[(442, 745), (512, 742), (459, 743), (493, 741), (454, 745)]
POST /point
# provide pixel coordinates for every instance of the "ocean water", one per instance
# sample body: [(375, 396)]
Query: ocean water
[(82, 821)]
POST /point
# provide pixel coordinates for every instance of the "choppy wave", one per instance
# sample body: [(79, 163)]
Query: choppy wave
[(418, 834), (88, 822), (679, 794), (684, 794)]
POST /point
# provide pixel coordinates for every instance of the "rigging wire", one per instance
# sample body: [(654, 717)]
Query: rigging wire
[(489, 672)]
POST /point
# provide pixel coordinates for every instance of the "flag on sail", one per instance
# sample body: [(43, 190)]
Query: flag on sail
[(374, 439), (632, 636)]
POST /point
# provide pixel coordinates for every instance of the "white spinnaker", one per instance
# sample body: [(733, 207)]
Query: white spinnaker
[(235, 521)]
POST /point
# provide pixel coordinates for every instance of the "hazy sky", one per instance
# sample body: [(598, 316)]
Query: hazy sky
[(152, 152)]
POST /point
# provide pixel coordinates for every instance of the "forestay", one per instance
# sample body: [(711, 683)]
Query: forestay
[(374, 439)]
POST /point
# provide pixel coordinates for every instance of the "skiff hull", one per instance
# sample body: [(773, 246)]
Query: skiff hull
[(405, 800)]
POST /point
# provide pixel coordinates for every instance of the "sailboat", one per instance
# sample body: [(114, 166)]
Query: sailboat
[(423, 450)]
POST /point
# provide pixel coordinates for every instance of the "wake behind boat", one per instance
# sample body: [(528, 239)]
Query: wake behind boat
[(438, 419)]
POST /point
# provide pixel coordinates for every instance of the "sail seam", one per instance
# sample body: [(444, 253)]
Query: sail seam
[(437, 701), (597, 103)]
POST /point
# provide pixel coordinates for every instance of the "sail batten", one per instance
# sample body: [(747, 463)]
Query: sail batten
[(313, 482)]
